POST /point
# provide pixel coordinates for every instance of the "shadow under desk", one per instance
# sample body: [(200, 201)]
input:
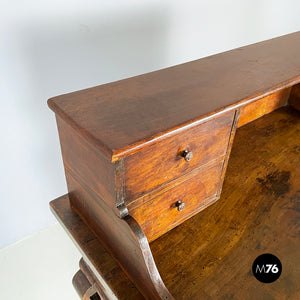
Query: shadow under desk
[(210, 256)]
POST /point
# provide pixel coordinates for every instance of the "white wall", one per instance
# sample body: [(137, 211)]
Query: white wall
[(52, 47)]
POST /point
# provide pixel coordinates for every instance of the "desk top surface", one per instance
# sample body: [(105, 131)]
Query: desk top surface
[(123, 116)]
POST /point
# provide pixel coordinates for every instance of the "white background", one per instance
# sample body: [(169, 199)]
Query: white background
[(53, 47)]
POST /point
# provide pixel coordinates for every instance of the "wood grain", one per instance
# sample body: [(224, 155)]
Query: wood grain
[(105, 269), (123, 238), (98, 288), (210, 255), (294, 99), (84, 288), (122, 145), (126, 116), (142, 175), (263, 106), (162, 162), (160, 214), (87, 162), (258, 212), (81, 284)]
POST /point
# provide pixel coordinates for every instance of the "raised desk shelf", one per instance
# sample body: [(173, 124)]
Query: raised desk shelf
[(210, 255)]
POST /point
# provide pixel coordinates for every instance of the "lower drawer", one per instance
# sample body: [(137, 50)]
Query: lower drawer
[(171, 206)]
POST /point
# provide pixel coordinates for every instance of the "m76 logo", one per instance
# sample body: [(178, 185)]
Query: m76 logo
[(267, 268)]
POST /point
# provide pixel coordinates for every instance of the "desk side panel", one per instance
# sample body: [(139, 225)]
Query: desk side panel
[(122, 238), (85, 161)]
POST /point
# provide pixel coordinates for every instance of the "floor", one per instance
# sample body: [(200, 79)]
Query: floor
[(40, 267)]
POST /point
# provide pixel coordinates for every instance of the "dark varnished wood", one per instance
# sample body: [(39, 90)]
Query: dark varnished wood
[(105, 269), (265, 105), (163, 162), (84, 288), (123, 182), (81, 284), (125, 116), (123, 146), (97, 190), (229, 147), (294, 99), (160, 214), (211, 142), (122, 237), (98, 288), (87, 162), (258, 212)]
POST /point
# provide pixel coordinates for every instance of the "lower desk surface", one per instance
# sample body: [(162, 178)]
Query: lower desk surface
[(210, 256)]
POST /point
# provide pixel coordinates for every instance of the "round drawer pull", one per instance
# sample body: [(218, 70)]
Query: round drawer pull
[(180, 205), (188, 155)]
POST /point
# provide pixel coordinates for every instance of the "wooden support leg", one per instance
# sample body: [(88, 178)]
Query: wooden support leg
[(85, 290)]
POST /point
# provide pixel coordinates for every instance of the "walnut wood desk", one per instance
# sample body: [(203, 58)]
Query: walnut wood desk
[(145, 154)]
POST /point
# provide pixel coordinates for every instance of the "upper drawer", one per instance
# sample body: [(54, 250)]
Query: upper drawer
[(162, 162)]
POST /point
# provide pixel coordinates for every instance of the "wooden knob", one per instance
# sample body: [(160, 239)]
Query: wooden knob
[(188, 155), (180, 205)]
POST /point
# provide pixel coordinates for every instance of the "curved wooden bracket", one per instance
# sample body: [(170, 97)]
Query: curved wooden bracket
[(157, 286), (122, 237)]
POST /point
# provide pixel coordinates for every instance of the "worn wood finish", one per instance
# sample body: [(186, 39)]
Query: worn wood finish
[(121, 145), (263, 106), (104, 268), (123, 238), (294, 99), (99, 292), (125, 116), (123, 182), (87, 162), (258, 212), (101, 206), (229, 147), (160, 213), (84, 288), (163, 162), (81, 284), (118, 183)]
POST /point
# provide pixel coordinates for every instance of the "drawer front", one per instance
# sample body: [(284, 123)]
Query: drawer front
[(163, 161), (160, 214)]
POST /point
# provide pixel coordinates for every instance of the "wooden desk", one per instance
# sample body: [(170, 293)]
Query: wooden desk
[(136, 151), (210, 255)]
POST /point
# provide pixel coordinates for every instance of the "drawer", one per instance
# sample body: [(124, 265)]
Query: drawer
[(160, 214), (163, 162)]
